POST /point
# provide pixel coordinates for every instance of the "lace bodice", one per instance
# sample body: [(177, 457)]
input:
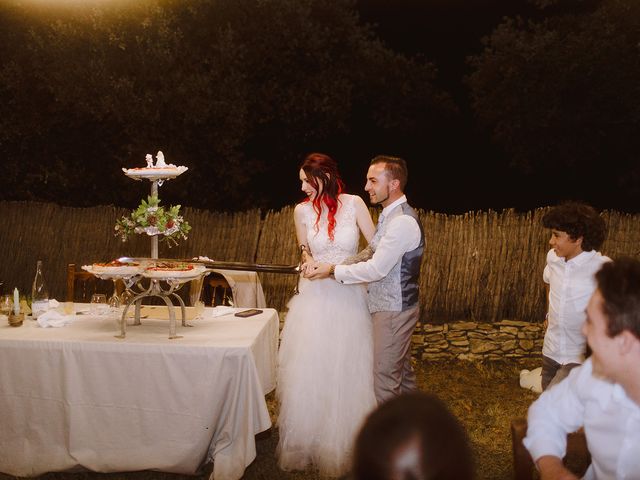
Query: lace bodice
[(346, 233)]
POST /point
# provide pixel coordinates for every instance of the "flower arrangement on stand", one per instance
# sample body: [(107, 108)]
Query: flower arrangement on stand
[(152, 219)]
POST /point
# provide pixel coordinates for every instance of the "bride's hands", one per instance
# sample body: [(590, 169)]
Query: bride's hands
[(308, 264)]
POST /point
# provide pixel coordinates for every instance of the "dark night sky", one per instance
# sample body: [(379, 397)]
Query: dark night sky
[(444, 31)]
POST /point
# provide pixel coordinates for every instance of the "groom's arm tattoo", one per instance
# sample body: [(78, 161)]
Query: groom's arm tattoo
[(361, 256)]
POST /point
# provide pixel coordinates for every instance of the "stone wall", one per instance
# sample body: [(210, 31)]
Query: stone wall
[(474, 341), (507, 339)]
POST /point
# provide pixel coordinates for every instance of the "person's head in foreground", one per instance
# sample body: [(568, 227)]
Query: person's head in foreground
[(613, 321), (412, 437), (575, 228)]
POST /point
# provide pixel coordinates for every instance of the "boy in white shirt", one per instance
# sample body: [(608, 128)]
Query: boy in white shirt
[(577, 232)]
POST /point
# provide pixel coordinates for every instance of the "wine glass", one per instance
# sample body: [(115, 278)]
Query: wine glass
[(126, 297), (114, 299), (98, 303)]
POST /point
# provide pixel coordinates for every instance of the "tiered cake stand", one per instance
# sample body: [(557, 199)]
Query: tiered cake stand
[(173, 280), (162, 283)]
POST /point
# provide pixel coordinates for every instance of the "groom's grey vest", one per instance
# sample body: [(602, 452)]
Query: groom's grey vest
[(397, 291)]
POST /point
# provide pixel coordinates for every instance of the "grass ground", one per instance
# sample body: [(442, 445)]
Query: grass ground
[(485, 397)]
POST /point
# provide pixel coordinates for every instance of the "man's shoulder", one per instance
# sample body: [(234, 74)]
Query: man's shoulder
[(409, 211), (403, 219), (400, 210), (594, 262), (588, 385), (405, 231), (601, 259)]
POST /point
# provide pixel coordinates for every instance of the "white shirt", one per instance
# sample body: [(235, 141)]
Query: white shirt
[(611, 422), (571, 284), (402, 236)]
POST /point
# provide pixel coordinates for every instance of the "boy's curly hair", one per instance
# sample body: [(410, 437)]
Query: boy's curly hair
[(577, 220)]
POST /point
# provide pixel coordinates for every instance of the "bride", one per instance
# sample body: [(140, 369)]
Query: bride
[(325, 379)]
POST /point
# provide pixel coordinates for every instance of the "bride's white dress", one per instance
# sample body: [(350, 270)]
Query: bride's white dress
[(325, 376)]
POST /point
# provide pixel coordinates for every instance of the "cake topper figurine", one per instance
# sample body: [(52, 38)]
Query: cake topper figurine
[(160, 160), (149, 160)]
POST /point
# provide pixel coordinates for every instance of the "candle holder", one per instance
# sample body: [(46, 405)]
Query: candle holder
[(16, 319)]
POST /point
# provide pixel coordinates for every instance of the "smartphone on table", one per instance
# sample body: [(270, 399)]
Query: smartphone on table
[(248, 313)]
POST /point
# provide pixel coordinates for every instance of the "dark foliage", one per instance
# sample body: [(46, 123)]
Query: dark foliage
[(562, 97), (237, 90)]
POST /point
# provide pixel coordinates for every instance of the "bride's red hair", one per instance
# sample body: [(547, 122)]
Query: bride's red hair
[(322, 174)]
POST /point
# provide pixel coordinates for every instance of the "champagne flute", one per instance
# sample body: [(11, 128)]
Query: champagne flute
[(199, 310), (195, 290), (114, 304)]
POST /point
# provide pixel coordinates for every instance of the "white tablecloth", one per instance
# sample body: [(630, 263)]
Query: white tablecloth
[(77, 396)]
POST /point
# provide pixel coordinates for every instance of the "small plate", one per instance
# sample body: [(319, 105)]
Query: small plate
[(155, 173)]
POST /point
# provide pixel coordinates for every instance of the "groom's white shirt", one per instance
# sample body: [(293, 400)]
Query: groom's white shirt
[(402, 235)]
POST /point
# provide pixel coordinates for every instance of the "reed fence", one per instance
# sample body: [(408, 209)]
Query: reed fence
[(481, 266)]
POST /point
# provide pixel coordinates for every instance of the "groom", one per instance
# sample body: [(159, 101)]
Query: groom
[(392, 272)]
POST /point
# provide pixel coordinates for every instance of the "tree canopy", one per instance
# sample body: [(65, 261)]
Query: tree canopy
[(240, 90), (561, 95), (237, 90)]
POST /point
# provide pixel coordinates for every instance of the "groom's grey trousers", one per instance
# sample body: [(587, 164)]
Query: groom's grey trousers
[(392, 370)]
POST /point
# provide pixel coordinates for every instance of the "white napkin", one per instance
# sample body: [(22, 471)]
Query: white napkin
[(531, 380), (220, 310), (51, 318)]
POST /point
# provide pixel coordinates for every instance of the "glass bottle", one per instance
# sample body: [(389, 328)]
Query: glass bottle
[(39, 293)]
